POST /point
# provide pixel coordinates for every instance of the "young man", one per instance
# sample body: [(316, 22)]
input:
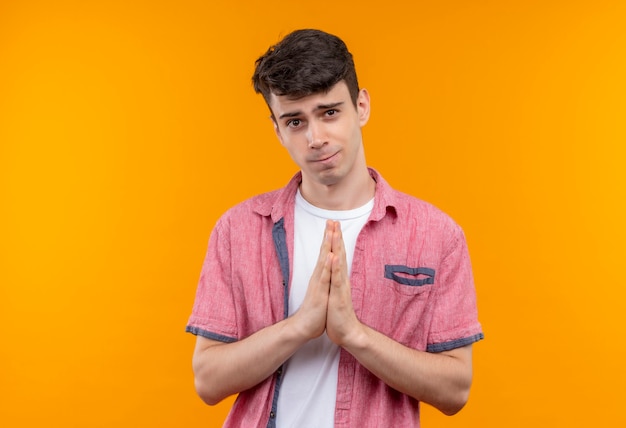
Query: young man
[(335, 301)]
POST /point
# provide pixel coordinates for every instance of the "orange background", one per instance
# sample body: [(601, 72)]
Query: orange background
[(127, 128)]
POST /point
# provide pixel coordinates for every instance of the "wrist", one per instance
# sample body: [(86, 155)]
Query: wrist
[(301, 328), (356, 337)]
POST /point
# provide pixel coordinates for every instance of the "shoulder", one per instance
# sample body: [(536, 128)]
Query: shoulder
[(273, 204), (407, 207), (264, 208), (254, 207), (410, 206), (235, 227), (416, 217)]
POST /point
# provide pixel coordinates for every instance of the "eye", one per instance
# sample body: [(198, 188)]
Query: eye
[(331, 112), (293, 123)]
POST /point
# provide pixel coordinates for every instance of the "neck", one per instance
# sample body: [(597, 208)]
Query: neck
[(349, 193)]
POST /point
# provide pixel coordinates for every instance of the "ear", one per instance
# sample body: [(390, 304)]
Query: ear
[(363, 106)]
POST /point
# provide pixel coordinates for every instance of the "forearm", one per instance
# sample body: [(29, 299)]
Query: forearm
[(224, 369), (442, 379)]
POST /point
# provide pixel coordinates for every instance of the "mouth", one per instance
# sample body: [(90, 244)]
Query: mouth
[(325, 158)]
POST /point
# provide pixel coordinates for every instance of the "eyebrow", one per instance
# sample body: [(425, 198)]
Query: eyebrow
[(318, 107)]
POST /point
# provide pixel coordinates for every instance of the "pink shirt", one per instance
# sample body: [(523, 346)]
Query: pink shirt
[(411, 280)]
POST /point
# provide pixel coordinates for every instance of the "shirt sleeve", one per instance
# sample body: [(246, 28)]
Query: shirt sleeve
[(455, 321), (213, 315)]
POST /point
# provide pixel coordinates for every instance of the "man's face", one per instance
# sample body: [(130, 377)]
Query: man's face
[(322, 132)]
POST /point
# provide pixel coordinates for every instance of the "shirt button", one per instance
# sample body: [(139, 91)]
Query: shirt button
[(272, 415)]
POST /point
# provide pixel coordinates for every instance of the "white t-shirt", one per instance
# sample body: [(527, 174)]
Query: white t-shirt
[(309, 387)]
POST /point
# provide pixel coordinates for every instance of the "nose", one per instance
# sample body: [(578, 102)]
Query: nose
[(316, 136)]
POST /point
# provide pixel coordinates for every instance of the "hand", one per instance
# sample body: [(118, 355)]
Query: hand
[(342, 325), (311, 316)]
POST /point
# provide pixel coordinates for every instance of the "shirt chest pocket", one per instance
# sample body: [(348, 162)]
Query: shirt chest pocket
[(410, 280)]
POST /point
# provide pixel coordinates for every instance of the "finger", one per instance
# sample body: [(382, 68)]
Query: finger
[(326, 246), (323, 266), (339, 274), (338, 247)]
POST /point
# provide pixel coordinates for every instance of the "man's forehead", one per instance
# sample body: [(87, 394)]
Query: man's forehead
[(338, 93)]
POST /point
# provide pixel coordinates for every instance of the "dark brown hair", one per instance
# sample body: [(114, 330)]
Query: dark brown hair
[(305, 62)]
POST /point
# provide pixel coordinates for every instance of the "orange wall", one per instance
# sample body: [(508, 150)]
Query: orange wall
[(127, 128)]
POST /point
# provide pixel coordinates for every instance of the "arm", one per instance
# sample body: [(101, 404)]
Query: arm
[(442, 380), (222, 369)]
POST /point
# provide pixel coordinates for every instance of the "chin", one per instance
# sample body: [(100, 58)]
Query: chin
[(329, 177)]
